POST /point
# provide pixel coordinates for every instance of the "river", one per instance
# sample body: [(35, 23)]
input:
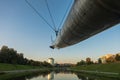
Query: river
[(56, 75)]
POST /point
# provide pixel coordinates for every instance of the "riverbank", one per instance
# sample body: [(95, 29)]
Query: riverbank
[(24, 74), (109, 67), (10, 71), (9, 67), (107, 70)]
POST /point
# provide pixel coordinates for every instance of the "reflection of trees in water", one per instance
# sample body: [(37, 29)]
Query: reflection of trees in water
[(36, 74), (81, 77), (32, 75), (50, 75), (19, 78), (64, 70)]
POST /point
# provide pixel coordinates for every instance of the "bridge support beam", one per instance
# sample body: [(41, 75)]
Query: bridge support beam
[(87, 18)]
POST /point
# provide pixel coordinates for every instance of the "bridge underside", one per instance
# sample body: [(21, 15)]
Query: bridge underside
[(87, 18)]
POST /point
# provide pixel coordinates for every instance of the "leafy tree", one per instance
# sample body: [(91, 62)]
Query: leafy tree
[(4, 54), (117, 57), (99, 61), (88, 61), (9, 55), (82, 62)]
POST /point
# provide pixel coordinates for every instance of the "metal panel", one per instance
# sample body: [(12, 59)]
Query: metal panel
[(87, 18)]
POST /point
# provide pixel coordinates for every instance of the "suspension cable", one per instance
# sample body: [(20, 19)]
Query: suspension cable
[(50, 14), (64, 16), (39, 14)]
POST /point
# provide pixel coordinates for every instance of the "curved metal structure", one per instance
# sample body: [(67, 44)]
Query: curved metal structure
[(87, 18)]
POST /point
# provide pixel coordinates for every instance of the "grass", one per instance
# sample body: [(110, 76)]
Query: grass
[(13, 75), (111, 67), (23, 75), (7, 67)]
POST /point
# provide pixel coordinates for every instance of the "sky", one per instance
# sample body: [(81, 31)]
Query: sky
[(22, 29)]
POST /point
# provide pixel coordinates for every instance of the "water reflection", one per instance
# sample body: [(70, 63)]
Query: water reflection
[(51, 76), (62, 75)]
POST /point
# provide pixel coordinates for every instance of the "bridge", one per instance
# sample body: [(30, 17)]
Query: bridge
[(87, 18)]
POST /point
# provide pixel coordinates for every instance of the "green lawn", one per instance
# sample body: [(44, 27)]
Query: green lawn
[(6, 67), (111, 67), (23, 75), (8, 76)]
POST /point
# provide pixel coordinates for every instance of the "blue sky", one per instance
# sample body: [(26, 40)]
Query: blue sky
[(22, 29)]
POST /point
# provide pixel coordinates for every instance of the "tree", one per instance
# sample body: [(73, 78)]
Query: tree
[(12, 56), (47, 64), (9, 55), (20, 58), (82, 62), (88, 61), (4, 54), (117, 57), (4, 49), (99, 61)]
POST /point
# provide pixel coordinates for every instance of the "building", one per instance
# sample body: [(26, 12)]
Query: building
[(51, 61), (103, 59), (108, 58)]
